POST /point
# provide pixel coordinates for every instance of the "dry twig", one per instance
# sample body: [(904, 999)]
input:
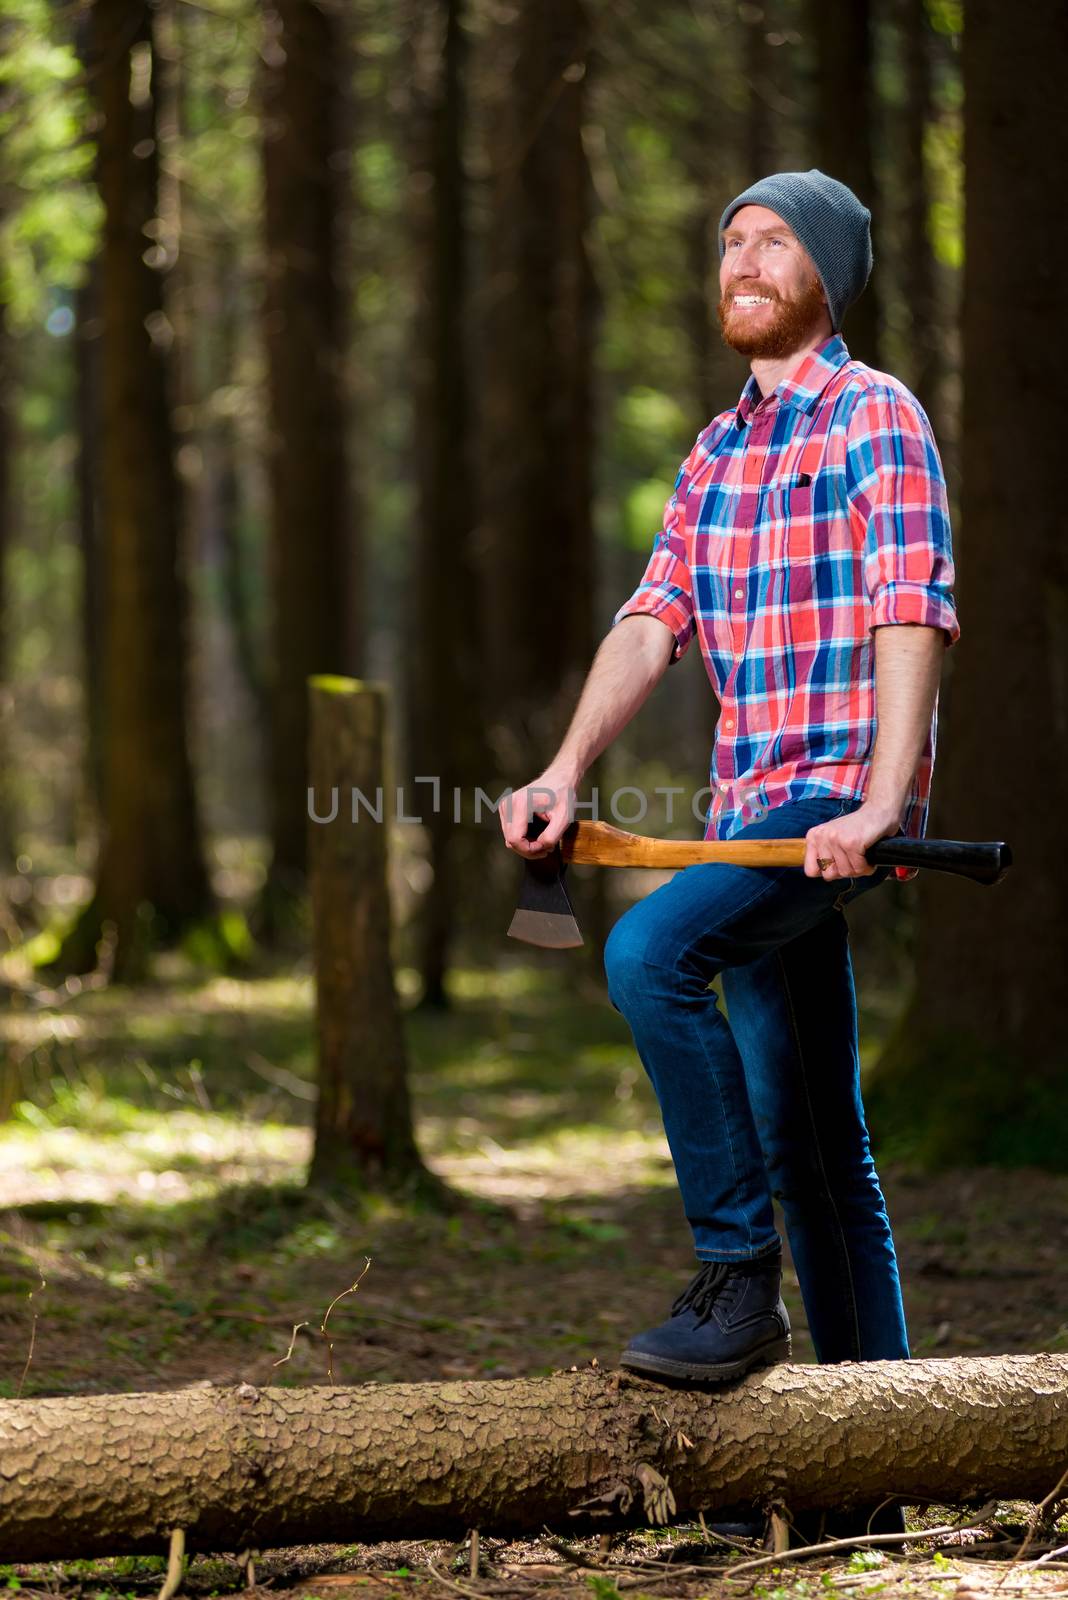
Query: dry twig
[(292, 1343), (831, 1546), (175, 1565), (1033, 1523), (33, 1337), (326, 1318)]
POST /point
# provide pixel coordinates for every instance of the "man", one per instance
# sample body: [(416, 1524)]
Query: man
[(807, 547)]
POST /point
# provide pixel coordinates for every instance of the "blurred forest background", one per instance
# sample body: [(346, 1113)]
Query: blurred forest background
[(366, 339)]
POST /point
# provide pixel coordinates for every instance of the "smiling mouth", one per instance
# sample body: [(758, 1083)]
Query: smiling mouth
[(749, 302)]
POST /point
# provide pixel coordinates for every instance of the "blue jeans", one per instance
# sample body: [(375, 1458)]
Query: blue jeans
[(767, 1104)]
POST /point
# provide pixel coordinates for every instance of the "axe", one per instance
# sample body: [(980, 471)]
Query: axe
[(544, 915)]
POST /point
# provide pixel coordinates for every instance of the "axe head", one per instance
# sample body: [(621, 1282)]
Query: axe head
[(544, 916)]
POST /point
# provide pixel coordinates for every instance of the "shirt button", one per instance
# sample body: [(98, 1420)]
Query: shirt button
[(738, 594), (729, 722), (724, 787)]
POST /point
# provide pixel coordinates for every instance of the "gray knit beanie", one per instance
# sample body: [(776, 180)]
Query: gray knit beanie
[(830, 222)]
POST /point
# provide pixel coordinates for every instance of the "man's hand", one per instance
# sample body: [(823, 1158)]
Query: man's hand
[(552, 796), (843, 841), (908, 659)]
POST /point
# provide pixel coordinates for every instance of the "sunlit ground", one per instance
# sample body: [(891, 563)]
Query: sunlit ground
[(155, 1231), (170, 1092), (152, 1168)]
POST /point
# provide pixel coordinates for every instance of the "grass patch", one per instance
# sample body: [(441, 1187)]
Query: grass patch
[(153, 1176)]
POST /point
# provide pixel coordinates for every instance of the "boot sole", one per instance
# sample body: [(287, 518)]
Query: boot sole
[(661, 1367)]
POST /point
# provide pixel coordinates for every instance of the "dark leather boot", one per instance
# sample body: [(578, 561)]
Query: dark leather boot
[(730, 1318)]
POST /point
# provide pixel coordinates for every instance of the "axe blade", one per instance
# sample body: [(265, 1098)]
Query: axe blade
[(544, 915)]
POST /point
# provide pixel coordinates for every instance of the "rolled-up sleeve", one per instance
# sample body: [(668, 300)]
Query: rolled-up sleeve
[(666, 588), (897, 494)]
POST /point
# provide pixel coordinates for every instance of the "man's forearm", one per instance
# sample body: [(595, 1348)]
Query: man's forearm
[(908, 665), (630, 662)]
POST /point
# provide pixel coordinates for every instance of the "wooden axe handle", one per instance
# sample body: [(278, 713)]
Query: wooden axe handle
[(599, 844)]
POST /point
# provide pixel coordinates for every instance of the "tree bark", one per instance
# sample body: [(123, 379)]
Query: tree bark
[(7, 822), (87, 339), (843, 123), (151, 878), (305, 178), (759, 138), (111, 1474), (445, 680), (221, 507), (363, 1122), (541, 309), (918, 267), (975, 1072)]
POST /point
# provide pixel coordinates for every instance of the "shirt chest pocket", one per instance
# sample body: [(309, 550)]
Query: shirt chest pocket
[(784, 524), (805, 526)]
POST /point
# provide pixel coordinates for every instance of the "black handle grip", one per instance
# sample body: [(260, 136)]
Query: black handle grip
[(985, 863)]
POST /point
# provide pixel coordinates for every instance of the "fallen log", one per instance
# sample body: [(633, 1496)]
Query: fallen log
[(262, 1468)]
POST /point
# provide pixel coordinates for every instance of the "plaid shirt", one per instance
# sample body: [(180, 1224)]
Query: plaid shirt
[(798, 523)]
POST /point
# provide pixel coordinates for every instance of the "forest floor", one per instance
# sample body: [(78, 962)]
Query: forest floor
[(154, 1233)]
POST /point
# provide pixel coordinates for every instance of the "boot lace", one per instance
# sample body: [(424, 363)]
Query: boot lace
[(701, 1294)]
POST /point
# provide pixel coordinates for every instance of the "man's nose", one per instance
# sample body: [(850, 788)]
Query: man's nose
[(743, 262)]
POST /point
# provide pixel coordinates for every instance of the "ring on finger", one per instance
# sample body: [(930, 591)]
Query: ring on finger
[(823, 863)]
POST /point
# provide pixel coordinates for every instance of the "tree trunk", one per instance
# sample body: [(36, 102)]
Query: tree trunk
[(87, 339), (843, 124), (445, 679), (270, 1467), (976, 1070), (541, 309), (7, 822), (759, 141), (221, 505), (151, 878), (363, 1123), (918, 269), (305, 199)]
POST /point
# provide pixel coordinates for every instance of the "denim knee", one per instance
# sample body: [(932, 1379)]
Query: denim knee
[(621, 959), (804, 1175), (630, 950)]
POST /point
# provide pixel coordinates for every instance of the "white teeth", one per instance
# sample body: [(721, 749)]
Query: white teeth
[(752, 300)]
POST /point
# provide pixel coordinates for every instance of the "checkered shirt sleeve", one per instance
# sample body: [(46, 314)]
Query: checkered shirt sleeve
[(666, 588), (898, 496)]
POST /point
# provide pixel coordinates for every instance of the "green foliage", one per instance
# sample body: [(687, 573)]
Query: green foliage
[(77, 1105), (946, 17), (944, 1100), (602, 1587), (219, 158), (51, 215), (943, 149), (220, 943)]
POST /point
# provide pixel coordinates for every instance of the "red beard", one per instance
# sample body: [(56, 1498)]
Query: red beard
[(778, 334)]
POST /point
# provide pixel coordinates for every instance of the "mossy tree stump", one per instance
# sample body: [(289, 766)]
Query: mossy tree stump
[(363, 1123)]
